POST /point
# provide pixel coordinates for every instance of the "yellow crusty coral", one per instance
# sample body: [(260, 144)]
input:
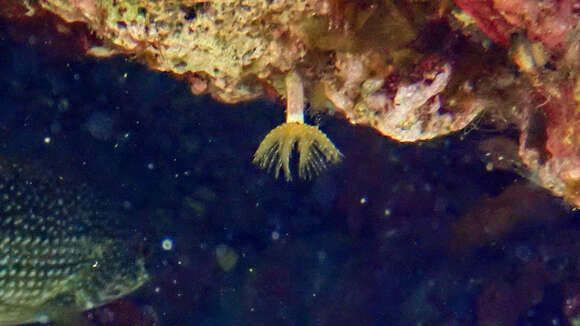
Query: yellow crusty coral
[(315, 149)]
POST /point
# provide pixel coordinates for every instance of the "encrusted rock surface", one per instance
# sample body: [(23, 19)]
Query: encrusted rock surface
[(357, 58), (413, 70)]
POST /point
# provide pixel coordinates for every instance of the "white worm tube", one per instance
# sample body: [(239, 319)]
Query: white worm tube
[(294, 98)]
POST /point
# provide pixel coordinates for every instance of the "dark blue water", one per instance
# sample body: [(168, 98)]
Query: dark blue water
[(394, 235)]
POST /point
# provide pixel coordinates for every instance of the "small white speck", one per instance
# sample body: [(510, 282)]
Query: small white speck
[(167, 244), (127, 204), (275, 235), (47, 140), (489, 167), (363, 200)]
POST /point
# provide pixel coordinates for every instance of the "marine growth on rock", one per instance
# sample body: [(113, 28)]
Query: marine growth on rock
[(413, 70), (314, 148)]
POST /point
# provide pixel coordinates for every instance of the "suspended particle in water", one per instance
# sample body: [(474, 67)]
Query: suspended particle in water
[(226, 257), (100, 125), (167, 244)]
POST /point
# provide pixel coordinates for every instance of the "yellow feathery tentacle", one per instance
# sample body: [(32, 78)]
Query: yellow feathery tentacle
[(315, 149)]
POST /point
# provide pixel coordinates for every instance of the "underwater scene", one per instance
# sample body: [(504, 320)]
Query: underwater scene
[(276, 162)]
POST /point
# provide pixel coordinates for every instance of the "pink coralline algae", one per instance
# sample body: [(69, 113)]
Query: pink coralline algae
[(413, 70), (547, 21), (543, 40)]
